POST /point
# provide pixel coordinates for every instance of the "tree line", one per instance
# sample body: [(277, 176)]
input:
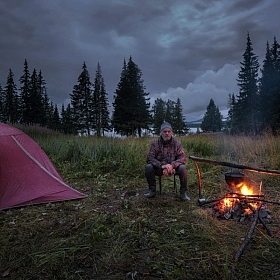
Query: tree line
[(88, 111), (30, 103), (256, 108), (253, 110)]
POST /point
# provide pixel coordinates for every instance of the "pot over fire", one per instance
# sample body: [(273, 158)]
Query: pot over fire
[(234, 179)]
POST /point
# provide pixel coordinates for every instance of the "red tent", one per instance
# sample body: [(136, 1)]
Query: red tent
[(27, 175)]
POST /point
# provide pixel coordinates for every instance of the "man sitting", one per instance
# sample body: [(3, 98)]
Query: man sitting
[(165, 157)]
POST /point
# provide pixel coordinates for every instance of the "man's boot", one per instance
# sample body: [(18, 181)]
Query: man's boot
[(183, 195), (151, 193)]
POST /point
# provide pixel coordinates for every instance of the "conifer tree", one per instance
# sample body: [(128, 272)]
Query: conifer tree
[(121, 112), (105, 114), (267, 83), (36, 99), (67, 125), (25, 98), (55, 123), (33, 97), (100, 104), (131, 107), (170, 111), (275, 123), (230, 124), (47, 110), (246, 109), (43, 100), (10, 100), (82, 103), (212, 120), (179, 123), (270, 88), (1, 104), (159, 114)]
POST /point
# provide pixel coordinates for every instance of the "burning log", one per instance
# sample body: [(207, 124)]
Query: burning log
[(203, 201), (237, 206)]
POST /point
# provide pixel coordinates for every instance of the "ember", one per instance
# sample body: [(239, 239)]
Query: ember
[(240, 207)]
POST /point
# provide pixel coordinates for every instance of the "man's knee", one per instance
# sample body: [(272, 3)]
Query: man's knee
[(149, 168), (182, 169)]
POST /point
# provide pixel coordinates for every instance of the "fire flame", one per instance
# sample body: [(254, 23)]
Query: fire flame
[(229, 203), (245, 190)]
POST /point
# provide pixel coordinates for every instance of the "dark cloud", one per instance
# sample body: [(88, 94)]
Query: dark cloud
[(186, 49)]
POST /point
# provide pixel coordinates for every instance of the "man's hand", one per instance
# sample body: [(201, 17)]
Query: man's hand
[(167, 169)]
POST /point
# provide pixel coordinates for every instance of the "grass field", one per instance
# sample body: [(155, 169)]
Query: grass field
[(116, 233)]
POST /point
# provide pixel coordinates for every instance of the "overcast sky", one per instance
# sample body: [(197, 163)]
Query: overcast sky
[(186, 49)]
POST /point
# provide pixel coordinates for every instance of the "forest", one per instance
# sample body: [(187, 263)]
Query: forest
[(252, 111)]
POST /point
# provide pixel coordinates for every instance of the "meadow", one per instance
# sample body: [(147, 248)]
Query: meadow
[(116, 233)]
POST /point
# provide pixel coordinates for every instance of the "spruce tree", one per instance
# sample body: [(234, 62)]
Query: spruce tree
[(2, 119), (100, 104), (55, 123), (33, 99), (10, 100), (230, 124), (121, 111), (267, 86), (43, 100), (104, 112), (246, 109), (25, 98), (170, 111), (179, 123), (212, 120), (47, 110), (67, 125), (274, 98), (82, 103), (270, 88), (37, 99), (131, 107), (159, 114)]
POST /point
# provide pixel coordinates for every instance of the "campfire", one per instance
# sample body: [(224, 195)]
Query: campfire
[(244, 200)]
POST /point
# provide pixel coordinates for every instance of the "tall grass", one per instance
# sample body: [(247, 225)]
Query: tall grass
[(115, 233), (88, 157), (262, 151)]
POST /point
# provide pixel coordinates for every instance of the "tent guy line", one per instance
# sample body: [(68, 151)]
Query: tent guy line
[(38, 163)]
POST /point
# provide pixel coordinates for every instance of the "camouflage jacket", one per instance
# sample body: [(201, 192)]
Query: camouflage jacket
[(161, 153)]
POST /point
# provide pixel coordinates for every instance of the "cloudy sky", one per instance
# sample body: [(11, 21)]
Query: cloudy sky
[(186, 49)]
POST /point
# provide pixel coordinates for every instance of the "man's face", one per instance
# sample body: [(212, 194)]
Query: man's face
[(166, 134)]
